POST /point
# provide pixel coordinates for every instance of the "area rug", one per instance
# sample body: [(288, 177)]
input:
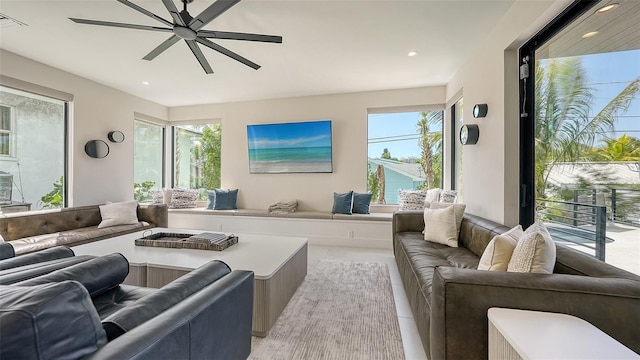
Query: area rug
[(342, 310)]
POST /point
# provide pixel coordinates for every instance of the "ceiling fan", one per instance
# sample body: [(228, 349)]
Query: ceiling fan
[(188, 28)]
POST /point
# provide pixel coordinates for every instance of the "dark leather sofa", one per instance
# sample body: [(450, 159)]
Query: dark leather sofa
[(36, 230), (449, 297), (205, 314)]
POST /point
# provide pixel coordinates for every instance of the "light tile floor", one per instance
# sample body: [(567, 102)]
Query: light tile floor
[(410, 339)]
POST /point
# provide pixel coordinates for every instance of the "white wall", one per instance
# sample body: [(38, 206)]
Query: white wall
[(97, 109), (348, 113), (491, 167)]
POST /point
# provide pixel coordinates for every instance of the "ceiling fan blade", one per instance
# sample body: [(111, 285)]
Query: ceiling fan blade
[(240, 36), (122, 25), (145, 11), (173, 10), (210, 13), (227, 52), (195, 49), (162, 47)]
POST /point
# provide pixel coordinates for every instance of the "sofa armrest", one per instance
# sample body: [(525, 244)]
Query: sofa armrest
[(157, 214), (214, 323), (461, 297), (408, 221), (6, 251), (58, 252)]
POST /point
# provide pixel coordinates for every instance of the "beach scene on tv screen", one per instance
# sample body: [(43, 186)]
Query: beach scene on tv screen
[(290, 148)]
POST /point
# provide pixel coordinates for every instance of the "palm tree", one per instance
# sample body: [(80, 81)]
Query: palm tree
[(624, 148), (565, 131), (431, 146)]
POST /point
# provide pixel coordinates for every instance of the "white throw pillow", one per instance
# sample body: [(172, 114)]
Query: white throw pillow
[(433, 195), (411, 199), (120, 213), (499, 250), (535, 251), (440, 226), (457, 208)]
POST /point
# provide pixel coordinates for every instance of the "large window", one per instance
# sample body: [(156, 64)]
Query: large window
[(32, 151), (580, 129), (6, 135), (148, 159), (196, 157), (404, 152)]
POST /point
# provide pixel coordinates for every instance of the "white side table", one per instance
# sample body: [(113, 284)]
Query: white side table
[(523, 334)]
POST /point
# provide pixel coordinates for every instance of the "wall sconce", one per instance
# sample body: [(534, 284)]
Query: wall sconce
[(115, 136), (480, 110)]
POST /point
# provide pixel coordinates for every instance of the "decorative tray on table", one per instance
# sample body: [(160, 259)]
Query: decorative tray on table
[(203, 241)]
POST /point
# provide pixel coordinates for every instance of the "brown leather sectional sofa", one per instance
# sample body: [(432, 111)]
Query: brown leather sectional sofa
[(36, 230), (449, 297)]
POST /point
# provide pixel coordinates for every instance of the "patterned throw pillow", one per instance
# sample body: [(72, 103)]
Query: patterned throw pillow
[(448, 196), (535, 251), (411, 199)]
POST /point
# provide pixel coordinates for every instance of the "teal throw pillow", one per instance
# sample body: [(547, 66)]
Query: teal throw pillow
[(220, 199), (361, 203), (342, 203)]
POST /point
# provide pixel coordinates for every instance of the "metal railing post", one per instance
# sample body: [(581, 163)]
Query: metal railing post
[(601, 231), (613, 205), (593, 202), (575, 208)]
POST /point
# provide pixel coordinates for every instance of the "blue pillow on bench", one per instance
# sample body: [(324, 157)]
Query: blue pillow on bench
[(361, 203), (343, 203), (220, 199)]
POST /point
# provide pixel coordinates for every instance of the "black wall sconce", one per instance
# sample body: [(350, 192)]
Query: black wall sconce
[(480, 110)]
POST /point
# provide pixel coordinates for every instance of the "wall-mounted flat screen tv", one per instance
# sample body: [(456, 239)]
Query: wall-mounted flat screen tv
[(300, 147)]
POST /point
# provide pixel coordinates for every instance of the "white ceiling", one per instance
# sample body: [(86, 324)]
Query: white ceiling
[(328, 46)]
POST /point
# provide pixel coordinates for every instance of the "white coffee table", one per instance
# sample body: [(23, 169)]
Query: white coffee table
[(278, 262)]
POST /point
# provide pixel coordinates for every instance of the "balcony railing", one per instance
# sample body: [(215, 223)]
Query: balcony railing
[(582, 224), (623, 205)]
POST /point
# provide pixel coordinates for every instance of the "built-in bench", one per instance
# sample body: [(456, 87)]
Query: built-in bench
[(319, 227)]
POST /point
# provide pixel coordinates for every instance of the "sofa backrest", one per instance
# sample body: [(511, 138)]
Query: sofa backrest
[(20, 225), (476, 233)]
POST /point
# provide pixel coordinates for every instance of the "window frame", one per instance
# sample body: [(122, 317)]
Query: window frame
[(12, 134), (162, 125), (176, 124), (527, 101)]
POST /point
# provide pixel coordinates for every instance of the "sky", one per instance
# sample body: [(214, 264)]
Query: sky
[(289, 135), (608, 74)]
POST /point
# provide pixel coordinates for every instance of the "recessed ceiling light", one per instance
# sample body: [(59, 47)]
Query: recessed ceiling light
[(412, 53), (145, 83), (607, 8), (589, 34)]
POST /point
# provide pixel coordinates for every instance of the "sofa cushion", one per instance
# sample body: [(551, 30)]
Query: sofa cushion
[(498, 253), (49, 321), (425, 256), (535, 251), (440, 226), (94, 232), (119, 213)]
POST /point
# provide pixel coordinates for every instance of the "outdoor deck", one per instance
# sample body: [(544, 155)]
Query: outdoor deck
[(624, 251)]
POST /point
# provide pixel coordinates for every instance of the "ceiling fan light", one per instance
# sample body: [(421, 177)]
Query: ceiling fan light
[(184, 33), (607, 8), (590, 34)]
